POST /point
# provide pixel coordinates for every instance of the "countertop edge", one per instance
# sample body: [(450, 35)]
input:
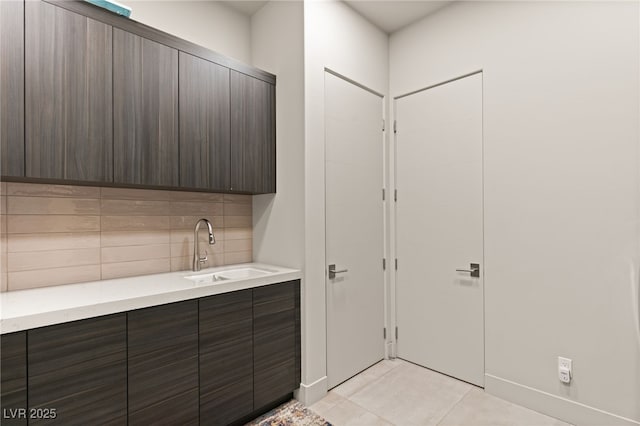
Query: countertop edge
[(29, 321)]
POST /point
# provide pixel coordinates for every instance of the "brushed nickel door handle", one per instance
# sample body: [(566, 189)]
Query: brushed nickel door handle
[(333, 272), (474, 270)]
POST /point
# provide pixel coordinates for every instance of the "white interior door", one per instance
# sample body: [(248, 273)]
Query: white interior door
[(354, 228), (440, 312)]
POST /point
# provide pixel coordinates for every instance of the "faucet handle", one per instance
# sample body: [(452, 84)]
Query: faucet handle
[(205, 258)]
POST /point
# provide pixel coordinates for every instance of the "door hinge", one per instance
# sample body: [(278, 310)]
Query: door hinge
[(395, 126), (383, 124), (396, 333), (396, 264), (384, 333), (395, 195), (383, 194), (384, 264)]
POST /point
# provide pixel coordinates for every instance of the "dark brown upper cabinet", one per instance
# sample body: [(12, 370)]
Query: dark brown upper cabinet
[(204, 124), (68, 86), (145, 111), (92, 97), (253, 135), (12, 87)]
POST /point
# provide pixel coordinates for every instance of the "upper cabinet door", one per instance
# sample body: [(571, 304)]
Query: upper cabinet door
[(12, 87), (253, 135), (145, 109), (204, 124), (68, 84)]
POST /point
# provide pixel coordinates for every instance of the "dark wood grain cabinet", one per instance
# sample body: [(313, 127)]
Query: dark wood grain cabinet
[(80, 370), (145, 111), (68, 86), (13, 378), (253, 127), (12, 88), (226, 357), (204, 124), (217, 360), (274, 342), (90, 97), (163, 364)]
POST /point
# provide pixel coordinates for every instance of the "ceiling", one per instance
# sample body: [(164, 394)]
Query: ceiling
[(245, 6), (391, 15), (388, 15)]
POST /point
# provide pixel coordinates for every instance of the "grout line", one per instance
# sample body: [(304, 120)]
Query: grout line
[(358, 390), (454, 406)]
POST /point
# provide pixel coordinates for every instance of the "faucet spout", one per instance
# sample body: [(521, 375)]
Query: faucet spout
[(197, 259)]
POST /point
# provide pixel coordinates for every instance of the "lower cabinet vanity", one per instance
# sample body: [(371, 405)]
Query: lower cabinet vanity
[(216, 360)]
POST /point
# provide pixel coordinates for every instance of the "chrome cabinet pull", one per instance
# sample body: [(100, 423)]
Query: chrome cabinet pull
[(474, 270), (333, 272)]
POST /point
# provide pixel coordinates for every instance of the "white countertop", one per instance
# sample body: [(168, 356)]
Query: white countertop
[(25, 309)]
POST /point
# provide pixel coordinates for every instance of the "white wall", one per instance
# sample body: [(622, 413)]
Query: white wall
[(561, 190), (210, 24), (278, 220), (338, 38)]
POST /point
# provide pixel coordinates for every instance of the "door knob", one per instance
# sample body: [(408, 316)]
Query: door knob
[(333, 272), (474, 270)]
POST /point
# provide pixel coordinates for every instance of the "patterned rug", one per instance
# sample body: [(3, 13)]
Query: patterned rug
[(291, 413)]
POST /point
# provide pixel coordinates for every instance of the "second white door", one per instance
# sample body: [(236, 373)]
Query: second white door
[(354, 228), (440, 304)]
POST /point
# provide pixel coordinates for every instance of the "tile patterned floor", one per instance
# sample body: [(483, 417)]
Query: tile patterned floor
[(403, 394)]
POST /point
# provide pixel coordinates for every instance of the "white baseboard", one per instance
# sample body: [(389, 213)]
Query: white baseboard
[(553, 405), (313, 392)]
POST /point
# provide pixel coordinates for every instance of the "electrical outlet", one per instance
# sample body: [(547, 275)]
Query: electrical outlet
[(564, 370)]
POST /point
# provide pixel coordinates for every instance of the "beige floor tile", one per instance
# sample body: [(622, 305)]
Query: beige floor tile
[(327, 403), (411, 395), (346, 413), (369, 375), (478, 408)]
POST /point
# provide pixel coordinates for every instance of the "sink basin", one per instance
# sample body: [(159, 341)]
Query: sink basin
[(206, 278), (230, 274), (243, 273)]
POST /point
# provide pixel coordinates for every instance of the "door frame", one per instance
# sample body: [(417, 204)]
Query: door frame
[(387, 342), (393, 222)]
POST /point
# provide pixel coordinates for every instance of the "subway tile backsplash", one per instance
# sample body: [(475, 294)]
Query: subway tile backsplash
[(64, 234)]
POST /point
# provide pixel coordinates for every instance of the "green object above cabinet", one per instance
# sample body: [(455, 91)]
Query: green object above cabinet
[(96, 98)]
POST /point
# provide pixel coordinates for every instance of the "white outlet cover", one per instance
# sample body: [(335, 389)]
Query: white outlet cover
[(565, 372)]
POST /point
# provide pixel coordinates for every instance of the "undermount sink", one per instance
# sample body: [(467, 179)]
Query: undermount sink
[(229, 274), (206, 278), (242, 273)]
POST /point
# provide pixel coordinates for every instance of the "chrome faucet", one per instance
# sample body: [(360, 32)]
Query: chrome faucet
[(197, 259)]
